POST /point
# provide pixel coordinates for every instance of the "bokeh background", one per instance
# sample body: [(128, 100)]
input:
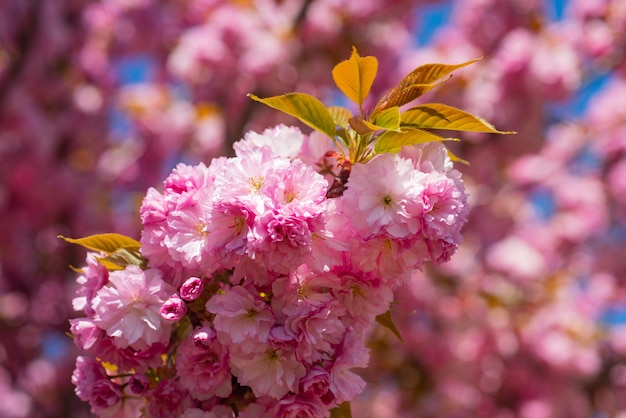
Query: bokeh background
[(100, 99)]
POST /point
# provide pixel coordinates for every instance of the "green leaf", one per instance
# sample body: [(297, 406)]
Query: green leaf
[(355, 76), (123, 257), (392, 142), (386, 321), (416, 83), (341, 411), (305, 107), (106, 243), (340, 115), (389, 119), (441, 116)]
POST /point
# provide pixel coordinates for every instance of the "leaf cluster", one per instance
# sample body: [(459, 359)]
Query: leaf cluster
[(386, 128)]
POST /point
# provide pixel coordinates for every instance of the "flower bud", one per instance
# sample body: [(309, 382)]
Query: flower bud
[(191, 289), (173, 309)]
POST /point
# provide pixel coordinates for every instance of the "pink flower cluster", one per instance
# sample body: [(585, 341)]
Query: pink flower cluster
[(259, 290)]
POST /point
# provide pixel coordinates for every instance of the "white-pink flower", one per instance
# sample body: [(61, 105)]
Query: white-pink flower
[(128, 307), (281, 140), (384, 196)]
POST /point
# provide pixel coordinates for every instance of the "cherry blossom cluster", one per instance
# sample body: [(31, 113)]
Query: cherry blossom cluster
[(259, 290)]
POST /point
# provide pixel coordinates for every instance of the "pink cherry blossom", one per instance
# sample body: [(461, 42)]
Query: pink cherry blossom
[(344, 383), (241, 317), (283, 141), (269, 371), (384, 194), (202, 363), (128, 307), (297, 406), (316, 383), (94, 276), (317, 330)]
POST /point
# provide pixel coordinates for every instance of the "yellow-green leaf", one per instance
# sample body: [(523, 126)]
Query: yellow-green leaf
[(305, 107), (389, 119), (110, 265), (340, 115), (107, 243), (392, 142), (416, 83), (441, 116), (362, 127), (123, 257), (456, 159), (355, 76), (341, 411), (387, 321)]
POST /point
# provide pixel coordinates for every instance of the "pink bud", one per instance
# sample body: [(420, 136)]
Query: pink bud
[(139, 384), (173, 309), (192, 288)]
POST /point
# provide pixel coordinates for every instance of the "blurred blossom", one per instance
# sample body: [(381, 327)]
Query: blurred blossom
[(98, 100)]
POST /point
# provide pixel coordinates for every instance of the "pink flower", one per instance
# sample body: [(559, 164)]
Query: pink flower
[(316, 383), (298, 406), (384, 196), (427, 157), (87, 372), (345, 384), (270, 371), (104, 395), (364, 296), (186, 234), (300, 187), (317, 330), (226, 235), (241, 317), (303, 289), (93, 385), (393, 260), (245, 178), (128, 307), (94, 276), (183, 183), (279, 241), (153, 208), (167, 400), (281, 140), (202, 364), (445, 213)]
